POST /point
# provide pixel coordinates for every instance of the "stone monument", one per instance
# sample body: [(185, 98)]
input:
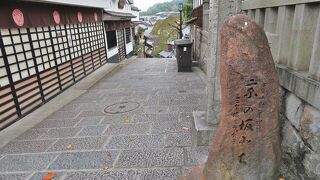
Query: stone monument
[(247, 142)]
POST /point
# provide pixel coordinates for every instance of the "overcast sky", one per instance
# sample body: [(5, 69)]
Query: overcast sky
[(145, 4)]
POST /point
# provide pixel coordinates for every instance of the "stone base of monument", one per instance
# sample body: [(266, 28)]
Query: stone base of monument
[(204, 133)]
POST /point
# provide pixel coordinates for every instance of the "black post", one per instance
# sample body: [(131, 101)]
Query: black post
[(180, 25), (144, 47), (180, 7)]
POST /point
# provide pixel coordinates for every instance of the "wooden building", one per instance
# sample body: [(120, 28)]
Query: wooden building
[(46, 46)]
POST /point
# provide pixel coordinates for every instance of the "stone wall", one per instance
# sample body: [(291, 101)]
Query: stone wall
[(201, 51), (300, 135)]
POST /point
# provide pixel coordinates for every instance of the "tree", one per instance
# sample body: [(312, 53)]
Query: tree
[(187, 9), (165, 31)]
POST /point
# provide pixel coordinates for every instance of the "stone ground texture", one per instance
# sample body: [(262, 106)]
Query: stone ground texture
[(80, 141)]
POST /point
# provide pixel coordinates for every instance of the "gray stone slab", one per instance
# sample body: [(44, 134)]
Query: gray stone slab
[(84, 160), (64, 115), (90, 121), (170, 126), (92, 113), (168, 157), (69, 107), (60, 133), (119, 129), (156, 117), (187, 108), (180, 139), (136, 142), (14, 176), (203, 131), (32, 162), (186, 117), (117, 119), (93, 130), (86, 143), (40, 175), (17, 147), (156, 109), (196, 155), (186, 170), (128, 174), (49, 123), (31, 134)]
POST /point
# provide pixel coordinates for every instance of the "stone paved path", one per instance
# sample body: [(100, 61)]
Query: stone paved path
[(81, 141)]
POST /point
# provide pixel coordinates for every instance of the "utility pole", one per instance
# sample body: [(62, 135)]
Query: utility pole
[(180, 7)]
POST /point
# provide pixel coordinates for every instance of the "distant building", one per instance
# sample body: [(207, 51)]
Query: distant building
[(117, 19)]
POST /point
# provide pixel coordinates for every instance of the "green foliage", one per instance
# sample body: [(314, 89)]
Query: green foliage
[(164, 32), (163, 7), (187, 10)]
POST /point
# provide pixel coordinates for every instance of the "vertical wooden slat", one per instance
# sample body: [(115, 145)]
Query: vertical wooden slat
[(302, 39), (260, 16), (55, 57), (6, 63), (314, 68), (35, 65), (284, 28)]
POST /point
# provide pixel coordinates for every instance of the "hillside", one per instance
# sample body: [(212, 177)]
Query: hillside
[(162, 7)]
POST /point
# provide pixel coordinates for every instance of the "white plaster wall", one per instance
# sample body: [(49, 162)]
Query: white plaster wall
[(137, 14), (129, 47), (112, 52), (113, 6)]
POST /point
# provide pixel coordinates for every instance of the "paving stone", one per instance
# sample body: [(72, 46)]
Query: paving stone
[(40, 175), (196, 155), (90, 121), (186, 108), (84, 160), (69, 107), (13, 176), (32, 162), (64, 115), (16, 147), (156, 117), (178, 139), (93, 130), (136, 142), (145, 118), (60, 133), (118, 129), (87, 143), (186, 117), (117, 119), (92, 113), (170, 126), (151, 158), (156, 109), (57, 123), (128, 174), (90, 106), (31, 134), (186, 170)]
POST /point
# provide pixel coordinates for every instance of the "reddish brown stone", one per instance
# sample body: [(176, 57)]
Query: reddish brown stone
[(247, 143)]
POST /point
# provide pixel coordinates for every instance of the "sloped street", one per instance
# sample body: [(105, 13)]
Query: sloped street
[(133, 124)]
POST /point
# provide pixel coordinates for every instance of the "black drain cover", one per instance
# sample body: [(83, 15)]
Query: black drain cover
[(121, 107)]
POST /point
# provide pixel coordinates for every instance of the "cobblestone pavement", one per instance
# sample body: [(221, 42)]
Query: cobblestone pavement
[(146, 133)]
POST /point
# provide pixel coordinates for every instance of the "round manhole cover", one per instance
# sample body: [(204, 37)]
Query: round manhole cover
[(121, 107)]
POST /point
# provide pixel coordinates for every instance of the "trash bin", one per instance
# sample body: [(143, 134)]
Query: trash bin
[(183, 55)]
